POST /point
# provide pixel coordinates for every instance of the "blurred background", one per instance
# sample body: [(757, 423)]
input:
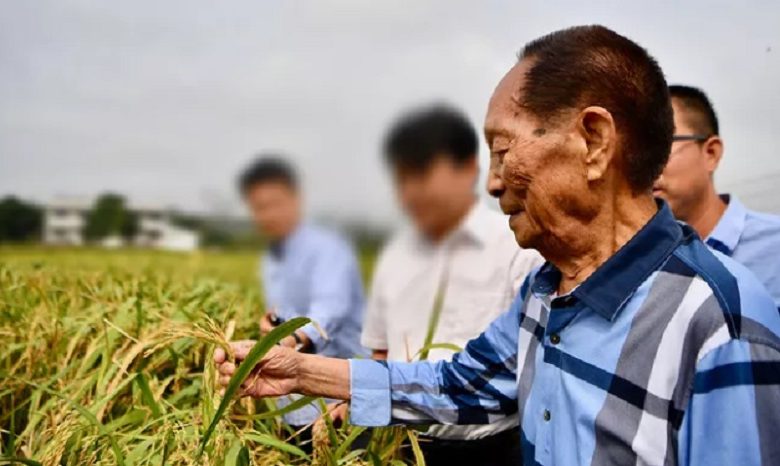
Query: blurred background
[(130, 120)]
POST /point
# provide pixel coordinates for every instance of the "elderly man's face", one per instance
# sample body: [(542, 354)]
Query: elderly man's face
[(536, 168)]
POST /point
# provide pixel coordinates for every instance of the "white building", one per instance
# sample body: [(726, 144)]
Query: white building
[(64, 222), (65, 219), (156, 230)]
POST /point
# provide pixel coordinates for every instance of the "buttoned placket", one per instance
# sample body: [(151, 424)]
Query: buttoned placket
[(550, 382), (559, 317)]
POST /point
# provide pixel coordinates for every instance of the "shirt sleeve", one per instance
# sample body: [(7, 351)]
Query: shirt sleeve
[(476, 387), (374, 334), (733, 415), (332, 286)]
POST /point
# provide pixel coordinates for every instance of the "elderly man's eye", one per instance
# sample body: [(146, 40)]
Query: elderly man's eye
[(498, 153)]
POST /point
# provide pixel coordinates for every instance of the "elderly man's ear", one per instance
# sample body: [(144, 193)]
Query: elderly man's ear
[(596, 127)]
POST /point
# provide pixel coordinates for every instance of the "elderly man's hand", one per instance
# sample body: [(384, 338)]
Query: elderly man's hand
[(275, 375)]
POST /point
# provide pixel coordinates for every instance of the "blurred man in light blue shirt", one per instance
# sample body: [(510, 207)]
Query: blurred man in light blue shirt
[(750, 238), (307, 271), (314, 273)]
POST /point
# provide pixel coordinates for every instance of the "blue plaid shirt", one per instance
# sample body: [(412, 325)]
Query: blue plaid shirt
[(667, 354), (753, 240)]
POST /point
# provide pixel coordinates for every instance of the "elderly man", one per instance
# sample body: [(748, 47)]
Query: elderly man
[(634, 343)]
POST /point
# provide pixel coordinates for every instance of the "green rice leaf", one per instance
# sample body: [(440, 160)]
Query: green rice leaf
[(352, 456), (89, 417), (432, 346), (243, 457), (231, 457), (294, 406), (418, 454), (146, 394), (245, 368), (132, 417), (433, 322), (274, 442), (167, 448), (13, 460), (353, 435), (332, 437)]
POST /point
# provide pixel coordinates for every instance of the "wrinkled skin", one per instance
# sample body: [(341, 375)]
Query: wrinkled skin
[(536, 169), (560, 180), (277, 367)]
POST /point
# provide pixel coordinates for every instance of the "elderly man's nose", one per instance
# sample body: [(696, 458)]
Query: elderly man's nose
[(495, 185)]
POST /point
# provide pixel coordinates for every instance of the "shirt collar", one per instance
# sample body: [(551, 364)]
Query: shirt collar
[(608, 289), (730, 226), (279, 249)]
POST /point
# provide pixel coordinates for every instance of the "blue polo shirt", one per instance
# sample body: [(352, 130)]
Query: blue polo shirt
[(669, 353), (752, 239)]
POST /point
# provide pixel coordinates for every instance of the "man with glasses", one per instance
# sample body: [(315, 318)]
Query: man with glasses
[(687, 184)]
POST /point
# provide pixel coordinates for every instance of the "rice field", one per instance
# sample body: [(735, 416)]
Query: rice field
[(106, 359)]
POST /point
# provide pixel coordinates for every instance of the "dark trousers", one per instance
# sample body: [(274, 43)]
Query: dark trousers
[(502, 449)]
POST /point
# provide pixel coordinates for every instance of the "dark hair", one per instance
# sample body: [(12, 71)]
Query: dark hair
[(700, 114), (423, 134), (267, 169), (592, 65)]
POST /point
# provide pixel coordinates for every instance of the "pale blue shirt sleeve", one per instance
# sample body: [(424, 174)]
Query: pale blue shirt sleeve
[(331, 300), (478, 383)]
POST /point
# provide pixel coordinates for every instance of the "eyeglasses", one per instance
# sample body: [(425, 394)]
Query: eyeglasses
[(690, 137), (699, 138)]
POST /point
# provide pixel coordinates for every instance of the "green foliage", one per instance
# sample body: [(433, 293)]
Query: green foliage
[(106, 359), (109, 216), (19, 220)]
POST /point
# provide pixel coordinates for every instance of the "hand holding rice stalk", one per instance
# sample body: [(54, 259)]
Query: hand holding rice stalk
[(250, 354)]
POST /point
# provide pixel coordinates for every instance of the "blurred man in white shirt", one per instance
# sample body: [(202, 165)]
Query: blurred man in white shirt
[(456, 248)]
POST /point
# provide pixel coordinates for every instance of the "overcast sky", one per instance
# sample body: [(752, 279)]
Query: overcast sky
[(166, 101)]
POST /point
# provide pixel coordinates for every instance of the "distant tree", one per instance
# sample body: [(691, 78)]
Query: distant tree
[(109, 216), (218, 232), (19, 220), (189, 221), (130, 225)]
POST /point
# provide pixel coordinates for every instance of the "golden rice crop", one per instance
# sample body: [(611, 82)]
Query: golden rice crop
[(106, 359)]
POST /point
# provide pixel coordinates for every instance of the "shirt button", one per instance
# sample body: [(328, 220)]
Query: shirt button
[(555, 338), (547, 415)]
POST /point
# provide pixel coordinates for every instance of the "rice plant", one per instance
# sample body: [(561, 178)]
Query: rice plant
[(106, 359)]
